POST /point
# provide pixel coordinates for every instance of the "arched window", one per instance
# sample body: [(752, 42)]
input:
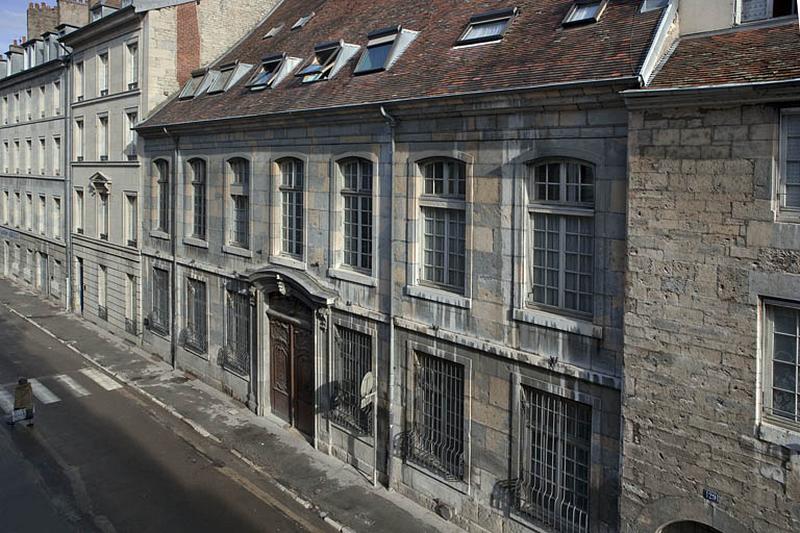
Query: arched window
[(292, 209), (239, 191), (161, 184), (443, 213), (197, 170), (357, 197), (561, 246)]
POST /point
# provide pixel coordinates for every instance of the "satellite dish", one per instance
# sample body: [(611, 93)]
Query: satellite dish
[(367, 389)]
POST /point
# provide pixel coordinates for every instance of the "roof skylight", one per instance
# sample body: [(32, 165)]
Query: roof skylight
[(487, 27), (272, 70), (328, 59), (193, 84), (273, 32), (383, 49), (302, 21), (228, 76), (584, 12)]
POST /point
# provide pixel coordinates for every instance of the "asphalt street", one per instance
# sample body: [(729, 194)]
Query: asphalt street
[(100, 457)]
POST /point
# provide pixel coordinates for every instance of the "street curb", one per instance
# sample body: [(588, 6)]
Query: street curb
[(200, 430)]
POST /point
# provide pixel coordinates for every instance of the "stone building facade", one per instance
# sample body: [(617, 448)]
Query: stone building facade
[(713, 280)]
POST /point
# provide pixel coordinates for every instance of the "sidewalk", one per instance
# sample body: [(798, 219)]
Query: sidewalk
[(343, 497)]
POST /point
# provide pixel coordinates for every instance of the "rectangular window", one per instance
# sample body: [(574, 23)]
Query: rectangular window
[(28, 103), (131, 304), (102, 73), (28, 156), (78, 211), (239, 188), (352, 362), (321, 66), (162, 183), (357, 196), (56, 156), (196, 337), (763, 9), (379, 47), (133, 66), (102, 292), (782, 362), (42, 157), (554, 461), (192, 86), (42, 102), (159, 319), (16, 157), (789, 187), (561, 240), (56, 97), (5, 110), (237, 331), (29, 212), (79, 139), (102, 216), (267, 74), (584, 12), (131, 219), (17, 107), (198, 170), (437, 434), (79, 81), (487, 27), (443, 247), (5, 207), (102, 137), (17, 209), (6, 157), (56, 218), (291, 189), (130, 135), (41, 215)]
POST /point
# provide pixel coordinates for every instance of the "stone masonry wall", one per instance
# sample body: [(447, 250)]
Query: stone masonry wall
[(217, 34), (703, 247)]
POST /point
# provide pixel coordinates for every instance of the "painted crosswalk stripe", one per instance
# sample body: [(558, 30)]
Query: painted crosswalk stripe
[(75, 387), (6, 401), (101, 379), (43, 394)]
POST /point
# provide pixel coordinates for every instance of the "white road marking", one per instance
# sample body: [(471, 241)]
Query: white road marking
[(6, 401), (101, 379), (76, 388), (44, 394)]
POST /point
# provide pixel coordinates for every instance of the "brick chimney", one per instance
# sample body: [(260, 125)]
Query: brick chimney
[(41, 18)]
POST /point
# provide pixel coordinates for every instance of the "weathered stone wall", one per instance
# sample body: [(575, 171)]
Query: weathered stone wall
[(703, 247), (215, 17)]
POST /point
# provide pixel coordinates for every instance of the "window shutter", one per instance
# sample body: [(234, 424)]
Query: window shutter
[(754, 10)]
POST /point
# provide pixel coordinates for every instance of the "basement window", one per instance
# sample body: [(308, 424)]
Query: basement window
[(384, 48), (487, 27), (192, 85), (302, 21), (328, 59), (584, 12)]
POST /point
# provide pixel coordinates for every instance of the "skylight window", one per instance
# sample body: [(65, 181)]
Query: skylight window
[(584, 12), (272, 70), (208, 80), (192, 85), (302, 21), (383, 49), (487, 27), (273, 32), (228, 76), (328, 59)]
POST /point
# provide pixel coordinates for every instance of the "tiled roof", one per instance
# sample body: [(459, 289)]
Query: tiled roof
[(534, 51), (748, 55)]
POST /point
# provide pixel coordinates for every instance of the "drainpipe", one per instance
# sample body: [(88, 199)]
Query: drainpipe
[(173, 224), (392, 124), (66, 156)]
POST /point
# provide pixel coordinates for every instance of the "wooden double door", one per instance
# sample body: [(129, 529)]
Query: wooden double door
[(291, 344)]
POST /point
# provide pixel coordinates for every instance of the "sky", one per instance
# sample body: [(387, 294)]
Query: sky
[(13, 23)]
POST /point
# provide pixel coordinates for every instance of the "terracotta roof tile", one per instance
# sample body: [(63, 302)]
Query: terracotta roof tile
[(534, 51), (740, 56)]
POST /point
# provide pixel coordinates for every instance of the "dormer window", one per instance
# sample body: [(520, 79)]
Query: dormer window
[(328, 59), (764, 9), (192, 85), (228, 76), (487, 27), (272, 70), (302, 21), (383, 49), (584, 12), (273, 32)]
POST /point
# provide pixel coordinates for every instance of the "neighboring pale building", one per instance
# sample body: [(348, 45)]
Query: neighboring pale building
[(124, 63), (404, 235), (712, 307)]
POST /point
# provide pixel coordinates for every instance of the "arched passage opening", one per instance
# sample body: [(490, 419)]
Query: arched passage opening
[(688, 526)]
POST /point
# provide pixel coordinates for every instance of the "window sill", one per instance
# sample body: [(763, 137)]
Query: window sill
[(288, 262), (235, 250), (158, 234), (559, 322), (788, 216), (353, 277), (197, 243), (771, 431), (438, 296)]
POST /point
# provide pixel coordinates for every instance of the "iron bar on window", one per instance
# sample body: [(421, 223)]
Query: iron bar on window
[(352, 361), (237, 337), (196, 337)]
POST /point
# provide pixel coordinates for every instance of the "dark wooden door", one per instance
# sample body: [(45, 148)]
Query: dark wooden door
[(280, 343), (303, 359)]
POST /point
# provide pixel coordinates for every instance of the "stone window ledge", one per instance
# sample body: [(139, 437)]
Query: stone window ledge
[(559, 322), (788, 216), (438, 296), (197, 243), (235, 250), (158, 234), (353, 277), (287, 262), (772, 432)]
